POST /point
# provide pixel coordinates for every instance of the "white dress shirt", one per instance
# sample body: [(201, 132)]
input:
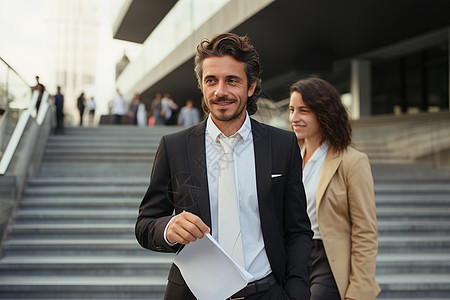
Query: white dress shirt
[(311, 175), (256, 261), (118, 105)]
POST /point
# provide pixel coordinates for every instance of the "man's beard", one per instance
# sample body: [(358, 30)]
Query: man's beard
[(223, 117)]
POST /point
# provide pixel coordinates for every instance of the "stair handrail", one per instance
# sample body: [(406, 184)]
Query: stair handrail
[(20, 128)]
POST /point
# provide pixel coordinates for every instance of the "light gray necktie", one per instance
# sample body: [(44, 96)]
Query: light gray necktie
[(229, 227)]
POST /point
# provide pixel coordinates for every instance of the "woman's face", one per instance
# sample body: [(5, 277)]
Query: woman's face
[(303, 121)]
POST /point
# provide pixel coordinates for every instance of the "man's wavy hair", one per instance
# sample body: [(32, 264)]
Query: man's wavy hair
[(240, 49), (325, 102)]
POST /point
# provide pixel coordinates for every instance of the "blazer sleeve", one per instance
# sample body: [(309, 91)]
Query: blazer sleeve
[(157, 207), (297, 230), (364, 232)]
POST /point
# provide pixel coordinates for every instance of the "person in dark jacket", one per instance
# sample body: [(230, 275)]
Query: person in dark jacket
[(59, 111), (81, 104)]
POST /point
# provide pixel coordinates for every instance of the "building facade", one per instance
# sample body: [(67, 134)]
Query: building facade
[(384, 57), (75, 26)]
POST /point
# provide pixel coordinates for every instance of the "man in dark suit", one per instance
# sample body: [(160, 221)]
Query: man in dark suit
[(183, 201), (59, 111)]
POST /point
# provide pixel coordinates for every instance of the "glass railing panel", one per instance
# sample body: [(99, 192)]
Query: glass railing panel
[(19, 93), (15, 97), (4, 70)]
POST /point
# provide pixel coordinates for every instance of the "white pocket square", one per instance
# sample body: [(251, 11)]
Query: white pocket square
[(276, 175)]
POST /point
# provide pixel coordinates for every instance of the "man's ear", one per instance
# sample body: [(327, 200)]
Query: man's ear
[(251, 89)]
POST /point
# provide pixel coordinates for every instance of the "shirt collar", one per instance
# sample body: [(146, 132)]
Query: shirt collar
[(321, 151), (214, 132)]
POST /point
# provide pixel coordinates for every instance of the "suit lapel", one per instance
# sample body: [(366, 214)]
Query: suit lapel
[(197, 165), (331, 164)]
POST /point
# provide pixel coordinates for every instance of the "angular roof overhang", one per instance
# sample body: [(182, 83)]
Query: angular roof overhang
[(138, 18)]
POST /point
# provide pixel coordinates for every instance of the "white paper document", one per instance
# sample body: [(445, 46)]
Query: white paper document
[(209, 272)]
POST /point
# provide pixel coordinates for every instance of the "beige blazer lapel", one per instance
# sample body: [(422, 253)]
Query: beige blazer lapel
[(330, 165)]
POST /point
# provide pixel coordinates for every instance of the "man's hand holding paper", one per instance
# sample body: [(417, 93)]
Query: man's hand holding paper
[(185, 228)]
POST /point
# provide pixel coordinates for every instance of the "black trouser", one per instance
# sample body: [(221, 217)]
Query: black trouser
[(274, 292), (321, 280), (59, 122), (81, 117)]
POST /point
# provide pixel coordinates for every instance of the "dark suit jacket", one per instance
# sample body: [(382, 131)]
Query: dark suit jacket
[(179, 182)]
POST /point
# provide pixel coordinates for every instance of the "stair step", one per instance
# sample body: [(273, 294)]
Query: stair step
[(86, 265), (85, 191), (103, 287), (414, 227), (419, 213), (32, 231), (62, 203), (414, 244), (82, 246), (401, 200), (98, 157), (124, 150), (419, 285), (79, 215), (97, 181), (413, 188), (434, 263), (94, 142), (121, 169)]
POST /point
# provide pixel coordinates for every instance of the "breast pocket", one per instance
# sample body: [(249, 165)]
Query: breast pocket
[(277, 178)]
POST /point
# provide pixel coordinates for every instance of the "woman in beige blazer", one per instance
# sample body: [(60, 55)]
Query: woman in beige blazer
[(339, 188)]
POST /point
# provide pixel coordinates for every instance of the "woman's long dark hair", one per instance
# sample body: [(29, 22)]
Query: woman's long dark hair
[(325, 101)]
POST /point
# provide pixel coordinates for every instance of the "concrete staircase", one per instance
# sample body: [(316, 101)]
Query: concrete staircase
[(73, 234), (413, 210), (404, 139)]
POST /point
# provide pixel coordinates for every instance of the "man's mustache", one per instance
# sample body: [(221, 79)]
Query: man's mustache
[(222, 99)]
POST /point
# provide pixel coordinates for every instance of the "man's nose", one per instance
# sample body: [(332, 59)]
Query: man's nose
[(221, 90)]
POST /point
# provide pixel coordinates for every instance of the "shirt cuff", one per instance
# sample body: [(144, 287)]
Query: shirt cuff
[(165, 234)]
